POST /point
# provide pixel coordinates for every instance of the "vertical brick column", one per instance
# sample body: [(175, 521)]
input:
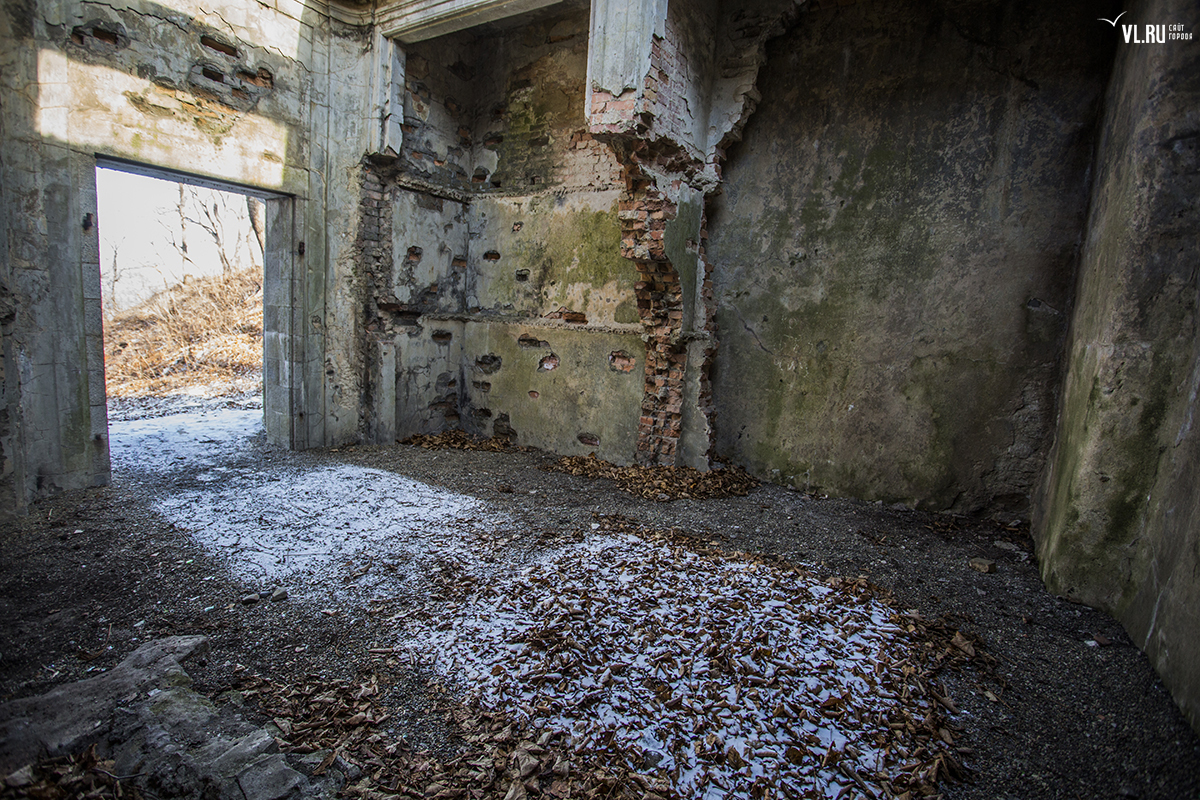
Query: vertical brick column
[(644, 213)]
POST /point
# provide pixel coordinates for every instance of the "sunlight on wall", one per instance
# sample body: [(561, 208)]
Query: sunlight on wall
[(110, 111)]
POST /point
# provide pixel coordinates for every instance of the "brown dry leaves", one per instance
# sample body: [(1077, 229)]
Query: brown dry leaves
[(661, 483), (204, 331), (346, 723), (457, 440), (500, 759), (78, 777)]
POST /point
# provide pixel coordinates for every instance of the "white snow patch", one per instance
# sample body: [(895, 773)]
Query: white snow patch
[(199, 438), (302, 528), (726, 675), (723, 675)]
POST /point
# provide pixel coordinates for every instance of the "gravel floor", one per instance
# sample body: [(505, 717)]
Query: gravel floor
[(1069, 708)]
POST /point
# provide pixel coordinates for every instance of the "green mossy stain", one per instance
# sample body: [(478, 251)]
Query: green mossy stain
[(1139, 457), (561, 248)]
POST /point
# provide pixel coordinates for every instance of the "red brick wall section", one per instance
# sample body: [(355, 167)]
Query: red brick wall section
[(649, 135), (644, 213)]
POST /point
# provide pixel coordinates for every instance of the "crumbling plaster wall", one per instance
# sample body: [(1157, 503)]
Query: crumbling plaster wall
[(1118, 523), (895, 249), (668, 107), (265, 98), (506, 296)]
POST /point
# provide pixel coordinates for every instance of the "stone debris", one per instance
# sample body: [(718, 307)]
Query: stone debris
[(137, 731), (984, 565), (250, 599), (278, 595), (661, 483)]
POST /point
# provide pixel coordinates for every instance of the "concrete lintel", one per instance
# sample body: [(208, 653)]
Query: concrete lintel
[(411, 21)]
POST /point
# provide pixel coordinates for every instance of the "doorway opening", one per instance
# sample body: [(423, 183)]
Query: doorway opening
[(181, 269)]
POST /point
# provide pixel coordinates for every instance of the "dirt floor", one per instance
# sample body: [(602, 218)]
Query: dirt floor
[(1056, 702)]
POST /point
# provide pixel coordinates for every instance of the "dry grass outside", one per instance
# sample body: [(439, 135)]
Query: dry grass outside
[(201, 332)]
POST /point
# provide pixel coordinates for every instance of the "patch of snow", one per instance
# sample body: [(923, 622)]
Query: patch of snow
[(313, 530), (727, 676), (197, 438), (723, 675)]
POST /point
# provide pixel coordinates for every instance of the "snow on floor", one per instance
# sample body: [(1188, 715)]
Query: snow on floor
[(196, 439), (717, 673), (312, 531), (727, 675)]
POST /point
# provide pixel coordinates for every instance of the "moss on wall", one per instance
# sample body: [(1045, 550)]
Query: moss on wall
[(538, 254), (892, 263), (556, 387)]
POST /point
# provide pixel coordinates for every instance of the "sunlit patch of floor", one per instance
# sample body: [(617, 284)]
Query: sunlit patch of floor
[(723, 675), (718, 674), (313, 532)]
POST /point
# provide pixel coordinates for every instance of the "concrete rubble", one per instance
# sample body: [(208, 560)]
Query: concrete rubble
[(144, 716)]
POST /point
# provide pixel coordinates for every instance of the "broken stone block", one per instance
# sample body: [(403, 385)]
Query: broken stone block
[(983, 565)]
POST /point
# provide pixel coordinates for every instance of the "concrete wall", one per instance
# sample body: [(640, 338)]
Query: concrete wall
[(267, 99), (895, 247), (502, 293), (1118, 524)]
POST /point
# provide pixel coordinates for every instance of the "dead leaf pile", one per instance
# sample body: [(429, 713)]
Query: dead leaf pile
[(501, 759), (78, 777), (457, 440), (729, 676), (661, 483)]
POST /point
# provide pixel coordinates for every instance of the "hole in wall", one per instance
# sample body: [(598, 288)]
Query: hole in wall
[(442, 337), (219, 46), (262, 78), (108, 37), (548, 363), (212, 74), (458, 262), (483, 413), (491, 255), (502, 428), (589, 439), (488, 364), (620, 361), (462, 71), (573, 317), (483, 386), (522, 276), (525, 340), (517, 226), (534, 394)]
